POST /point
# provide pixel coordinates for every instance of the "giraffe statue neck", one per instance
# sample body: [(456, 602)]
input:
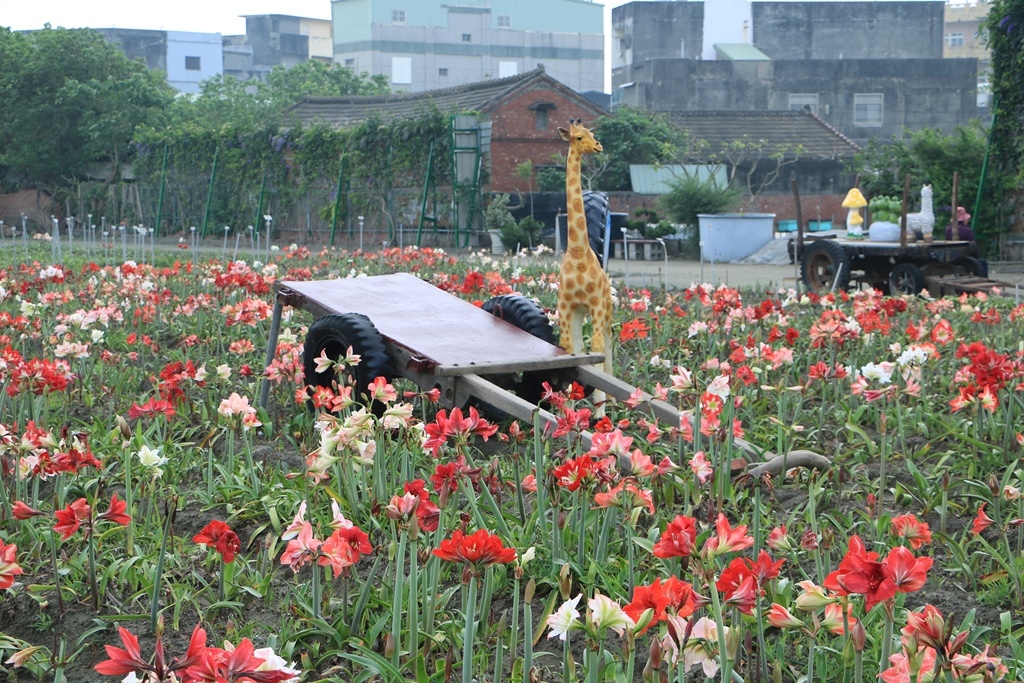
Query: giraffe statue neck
[(574, 200)]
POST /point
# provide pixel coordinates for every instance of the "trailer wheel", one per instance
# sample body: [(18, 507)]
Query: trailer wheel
[(333, 335), (906, 278), (530, 318), (972, 265), (821, 261)]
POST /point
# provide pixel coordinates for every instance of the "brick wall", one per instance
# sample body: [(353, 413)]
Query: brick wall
[(515, 137)]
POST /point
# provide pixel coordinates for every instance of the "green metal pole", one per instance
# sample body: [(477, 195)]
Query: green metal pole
[(160, 201), (337, 198), (259, 204), (426, 188), (209, 195), (984, 169)]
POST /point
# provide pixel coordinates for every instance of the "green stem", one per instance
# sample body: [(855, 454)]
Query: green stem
[(93, 587), (527, 640), (514, 635), (723, 654), (220, 581), (810, 661), (468, 635), (154, 609), (317, 592), (414, 600), (883, 663), (396, 603)]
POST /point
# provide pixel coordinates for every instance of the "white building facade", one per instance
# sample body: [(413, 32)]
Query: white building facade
[(430, 44)]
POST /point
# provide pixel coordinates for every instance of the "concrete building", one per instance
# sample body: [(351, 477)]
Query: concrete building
[(187, 58), (801, 56), (276, 39), (429, 44), (964, 37)]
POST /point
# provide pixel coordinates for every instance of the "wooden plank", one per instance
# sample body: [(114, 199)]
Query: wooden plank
[(434, 325), (519, 365)]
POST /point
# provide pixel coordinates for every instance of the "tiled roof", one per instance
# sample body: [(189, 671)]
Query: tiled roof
[(779, 128), (479, 96)]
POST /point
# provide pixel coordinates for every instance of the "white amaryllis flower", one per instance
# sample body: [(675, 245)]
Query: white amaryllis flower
[(878, 372), (201, 373), (323, 363), (702, 648), (719, 387), (564, 619), (272, 662), (606, 613), (224, 372), (150, 457), (296, 526), (915, 355)]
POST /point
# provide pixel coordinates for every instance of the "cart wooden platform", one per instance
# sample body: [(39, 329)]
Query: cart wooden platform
[(828, 263), (439, 341)]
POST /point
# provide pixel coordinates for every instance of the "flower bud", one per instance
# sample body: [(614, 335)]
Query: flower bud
[(531, 587), (122, 426), (389, 646), (858, 635)]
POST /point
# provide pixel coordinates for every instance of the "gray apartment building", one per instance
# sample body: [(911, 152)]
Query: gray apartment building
[(867, 68), (431, 44)]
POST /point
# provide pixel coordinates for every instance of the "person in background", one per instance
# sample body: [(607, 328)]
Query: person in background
[(966, 234)]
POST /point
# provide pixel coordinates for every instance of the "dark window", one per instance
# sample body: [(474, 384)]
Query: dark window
[(192, 64), (467, 37), (443, 71), (542, 119)]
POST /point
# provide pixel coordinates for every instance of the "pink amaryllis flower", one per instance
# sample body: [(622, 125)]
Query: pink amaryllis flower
[(726, 538), (301, 549)]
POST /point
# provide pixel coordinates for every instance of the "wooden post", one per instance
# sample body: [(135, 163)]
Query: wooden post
[(903, 217), (954, 231), (799, 216)]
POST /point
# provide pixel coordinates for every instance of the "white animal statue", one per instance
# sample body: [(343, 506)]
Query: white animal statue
[(924, 220)]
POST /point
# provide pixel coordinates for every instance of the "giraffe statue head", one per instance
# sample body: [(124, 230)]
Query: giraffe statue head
[(579, 138)]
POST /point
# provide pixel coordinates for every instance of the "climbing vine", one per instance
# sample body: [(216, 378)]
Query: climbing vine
[(1005, 34)]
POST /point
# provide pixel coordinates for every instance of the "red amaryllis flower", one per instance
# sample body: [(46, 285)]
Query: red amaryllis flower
[(763, 569), (152, 408), (220, 537), (744, 597), (780, 617), (928, 626), (726, 538), (71, 517), (23, 512), (671, 596), (860, 572), (911, 528), (982, 521), (123, 660), (679, 538), (337, 553), (573, 473), (909, 573), (8, 567), (116, 512), (479, 550)]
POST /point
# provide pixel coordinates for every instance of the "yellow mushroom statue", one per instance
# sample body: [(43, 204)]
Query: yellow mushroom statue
[(854, 221)]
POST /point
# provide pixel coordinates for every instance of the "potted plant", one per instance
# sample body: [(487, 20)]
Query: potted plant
[(498, 218), (691, 196)]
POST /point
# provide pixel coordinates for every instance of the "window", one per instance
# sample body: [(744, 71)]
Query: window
[(955, 39), (467, 37), (797, 102), (541, 122), (192, 64), (506, 69), (401, 70), (398, 16), (682, 49), (350, 63), (867, 109), (443, 72), (504, 21)]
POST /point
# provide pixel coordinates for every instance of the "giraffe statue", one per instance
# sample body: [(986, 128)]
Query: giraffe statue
[(583, 285)]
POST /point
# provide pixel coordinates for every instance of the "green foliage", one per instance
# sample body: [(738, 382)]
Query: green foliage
[(71, 99), (551, 179), (496, 215), (691, 195), (930, 156), (525, 233), (1005, 34), (285, 87), (632, 136)]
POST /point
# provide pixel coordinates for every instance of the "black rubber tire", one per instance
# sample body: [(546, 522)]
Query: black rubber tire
[(905, 278), (334, 334), (820, 262), (972, 265), (595, 208), (523, 313), (529, 317)]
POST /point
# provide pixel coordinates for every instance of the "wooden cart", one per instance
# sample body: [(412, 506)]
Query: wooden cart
[(828, 263), (403, 326)]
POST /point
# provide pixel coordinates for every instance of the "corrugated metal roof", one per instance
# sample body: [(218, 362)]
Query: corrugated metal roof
[(780, 130), (649, 179), (736, 52), (480, 96)]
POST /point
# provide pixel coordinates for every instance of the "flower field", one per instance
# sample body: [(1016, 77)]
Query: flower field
[(156, 525)]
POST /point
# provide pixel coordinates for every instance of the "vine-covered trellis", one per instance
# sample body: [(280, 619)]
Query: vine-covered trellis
[(1005, 32)]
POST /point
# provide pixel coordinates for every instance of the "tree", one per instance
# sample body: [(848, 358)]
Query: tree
[(285, 87), (71, 99), (631, 136)]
